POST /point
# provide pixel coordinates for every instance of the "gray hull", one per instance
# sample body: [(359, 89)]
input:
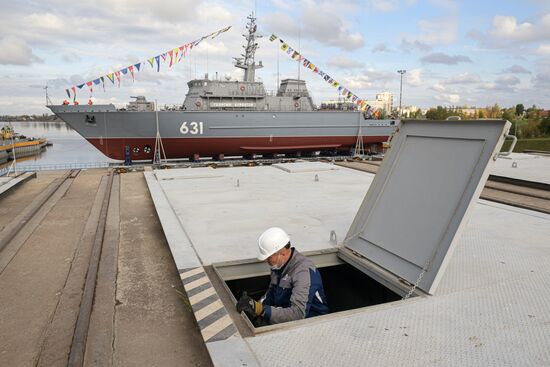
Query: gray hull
[(185, 133)]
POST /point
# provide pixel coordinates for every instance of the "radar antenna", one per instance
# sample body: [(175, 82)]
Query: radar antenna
[(247, 62)]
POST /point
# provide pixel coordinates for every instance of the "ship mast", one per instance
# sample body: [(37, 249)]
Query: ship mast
[(247, 62)]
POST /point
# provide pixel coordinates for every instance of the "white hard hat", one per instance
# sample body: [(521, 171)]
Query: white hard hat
[(271, 241)]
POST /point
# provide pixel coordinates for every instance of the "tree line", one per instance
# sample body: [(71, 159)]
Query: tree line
[(43, 117), (532, 122)]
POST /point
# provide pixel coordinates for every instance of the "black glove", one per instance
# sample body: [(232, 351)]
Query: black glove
[(250, 307)]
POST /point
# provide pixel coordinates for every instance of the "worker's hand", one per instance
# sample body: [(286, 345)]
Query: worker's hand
[(249, 306)]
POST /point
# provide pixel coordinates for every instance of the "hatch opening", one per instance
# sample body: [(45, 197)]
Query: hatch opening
[(346, 287)]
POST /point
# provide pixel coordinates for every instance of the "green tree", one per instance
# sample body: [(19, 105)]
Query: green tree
[(544, 126), (520, 109), (530, 130), (508, 114)]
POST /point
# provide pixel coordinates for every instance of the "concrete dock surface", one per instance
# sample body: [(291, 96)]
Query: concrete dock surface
[(87, 276), (139, 314)]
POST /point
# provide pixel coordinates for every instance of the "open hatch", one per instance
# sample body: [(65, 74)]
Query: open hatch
[(404, 232)]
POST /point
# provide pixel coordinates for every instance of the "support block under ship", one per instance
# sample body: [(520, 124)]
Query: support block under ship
[(227, 117)]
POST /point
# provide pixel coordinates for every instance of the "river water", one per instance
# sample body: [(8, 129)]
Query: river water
[(67, 146)]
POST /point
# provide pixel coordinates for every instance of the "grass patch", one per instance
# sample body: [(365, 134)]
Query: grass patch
[(542, 144)]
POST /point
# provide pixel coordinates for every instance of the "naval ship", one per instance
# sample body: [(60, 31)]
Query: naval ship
[(227, 118)]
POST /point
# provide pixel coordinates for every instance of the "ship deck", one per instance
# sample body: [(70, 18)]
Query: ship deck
[(490, 307)]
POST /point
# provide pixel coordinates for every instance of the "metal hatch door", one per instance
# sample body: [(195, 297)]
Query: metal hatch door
[(418, 202)]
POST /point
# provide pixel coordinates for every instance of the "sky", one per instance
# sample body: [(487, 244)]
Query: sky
[(455, 53)]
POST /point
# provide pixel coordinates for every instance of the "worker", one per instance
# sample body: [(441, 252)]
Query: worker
[(296, 289)]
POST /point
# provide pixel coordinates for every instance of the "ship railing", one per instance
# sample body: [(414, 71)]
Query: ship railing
[(56, 166)]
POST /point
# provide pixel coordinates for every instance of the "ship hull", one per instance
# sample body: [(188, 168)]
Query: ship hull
[(185, 134)]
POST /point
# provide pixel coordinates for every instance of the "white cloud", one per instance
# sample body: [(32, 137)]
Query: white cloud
[(502, 83), (449, 98), (358, 82), (507, 80), (432, 33), (507, 32), (16, 52), (345, 63), (329, 29), (385, 5), (542, 80), (370, 78), (463, 78), (414, 77), (318, 21), (543, 49), (380, 48), (516, 69), (438, 87), (389, 5), (442, 58)]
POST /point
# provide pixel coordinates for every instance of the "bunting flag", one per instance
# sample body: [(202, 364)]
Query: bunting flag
[(295, 55), (117, 75), (171, 54), (181, 48), (157, 58), (176, 54)]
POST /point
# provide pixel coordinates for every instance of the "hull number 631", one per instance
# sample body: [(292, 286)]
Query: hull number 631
[(192, 128)]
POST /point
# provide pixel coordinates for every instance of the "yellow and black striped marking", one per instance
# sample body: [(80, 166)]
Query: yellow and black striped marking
[(214, 321)]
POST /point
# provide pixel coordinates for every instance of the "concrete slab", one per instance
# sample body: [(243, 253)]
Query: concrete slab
[(224, 215), (529, 167), (490, 307), (180, 245)]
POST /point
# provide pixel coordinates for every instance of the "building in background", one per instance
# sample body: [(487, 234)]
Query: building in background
[(383, 101), (411, 111)]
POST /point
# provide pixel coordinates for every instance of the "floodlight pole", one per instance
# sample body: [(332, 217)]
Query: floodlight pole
[(401, 72)]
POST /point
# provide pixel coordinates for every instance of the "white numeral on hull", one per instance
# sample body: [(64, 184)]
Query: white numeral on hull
[(192, 128)]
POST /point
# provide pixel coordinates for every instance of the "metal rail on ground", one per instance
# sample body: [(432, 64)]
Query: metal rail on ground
[(23, 219), (505, 190), (78, 345)]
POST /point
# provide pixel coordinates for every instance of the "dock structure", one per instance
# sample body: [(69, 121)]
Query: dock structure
[(141, 268), (490, 304)]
